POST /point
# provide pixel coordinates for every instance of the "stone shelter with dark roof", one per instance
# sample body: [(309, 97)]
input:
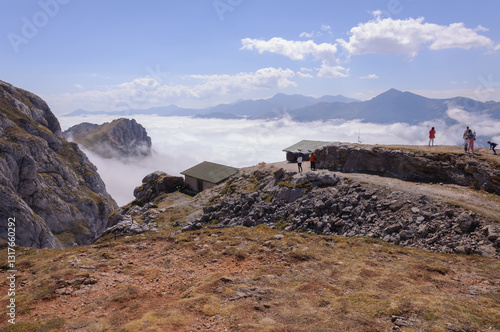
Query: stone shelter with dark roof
[(304, 149), (207, 175)]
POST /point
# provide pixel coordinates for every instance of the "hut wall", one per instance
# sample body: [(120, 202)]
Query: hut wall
[(291, 156), (191, 183), (208, 185), (194, 183)]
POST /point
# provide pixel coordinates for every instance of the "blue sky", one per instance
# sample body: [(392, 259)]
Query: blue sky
[(118, 54)]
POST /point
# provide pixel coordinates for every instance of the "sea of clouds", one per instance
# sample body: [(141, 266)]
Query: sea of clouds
[(182, 142)]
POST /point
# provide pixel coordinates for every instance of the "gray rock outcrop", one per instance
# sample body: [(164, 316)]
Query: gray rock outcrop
[(460, 169), (155, 184), (152, 189), (323, 203), (127, 225), (48, 185), (121, 138)]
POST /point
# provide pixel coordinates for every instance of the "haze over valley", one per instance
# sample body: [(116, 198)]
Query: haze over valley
[(179, 143)]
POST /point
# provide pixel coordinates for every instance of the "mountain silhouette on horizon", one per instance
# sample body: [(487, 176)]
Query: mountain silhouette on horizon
[(388, 107)]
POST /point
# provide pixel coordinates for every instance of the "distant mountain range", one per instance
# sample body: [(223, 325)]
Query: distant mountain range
[(255, 109), (388, 107)]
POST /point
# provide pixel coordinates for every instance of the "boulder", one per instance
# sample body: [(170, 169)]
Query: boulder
[(155, 184), (126, 225), (467, 222)]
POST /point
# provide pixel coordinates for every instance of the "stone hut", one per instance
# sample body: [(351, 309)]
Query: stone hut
[(304, 149), (206, 175)]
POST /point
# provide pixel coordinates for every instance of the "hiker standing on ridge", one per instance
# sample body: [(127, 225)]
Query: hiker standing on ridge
[(466, 139), (299, 163), (312, 158), (466, 132), (471, 137), (492, 146), (432, 135)]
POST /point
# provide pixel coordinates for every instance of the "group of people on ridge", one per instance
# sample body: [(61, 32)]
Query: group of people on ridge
[(312, 159), (469, 138)]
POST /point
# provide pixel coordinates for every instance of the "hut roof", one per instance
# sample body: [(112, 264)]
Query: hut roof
[(210, 172), (306, 145)]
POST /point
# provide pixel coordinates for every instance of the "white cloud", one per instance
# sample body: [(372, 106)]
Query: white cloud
[(81, 87), (409, 36), (369, 77), (324, 29), (298, 50), (308, 35), (304, 75), (295, 50), (182, 142), (261, 79), (143, 83), (482, 125), (456, 35), (147, 92), (328, 71)]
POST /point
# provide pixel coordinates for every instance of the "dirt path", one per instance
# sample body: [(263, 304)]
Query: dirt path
[(478, 201)]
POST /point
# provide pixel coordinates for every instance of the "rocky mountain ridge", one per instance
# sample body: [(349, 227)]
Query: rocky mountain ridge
[(330, 203), (325, 203), (413, 165), (48, 185), (120, 138)]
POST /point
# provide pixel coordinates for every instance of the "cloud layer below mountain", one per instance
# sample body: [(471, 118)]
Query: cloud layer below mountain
[(182, 142)]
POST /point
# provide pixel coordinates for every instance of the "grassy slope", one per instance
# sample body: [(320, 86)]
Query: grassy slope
[(241, 279), (252, 280)]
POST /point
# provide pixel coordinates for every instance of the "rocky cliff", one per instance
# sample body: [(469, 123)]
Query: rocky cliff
[(323, 202), (121, 138), (47, 183), (417, 165)]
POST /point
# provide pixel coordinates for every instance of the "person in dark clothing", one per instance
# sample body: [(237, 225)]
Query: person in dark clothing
[(312, 159), (492, 146)]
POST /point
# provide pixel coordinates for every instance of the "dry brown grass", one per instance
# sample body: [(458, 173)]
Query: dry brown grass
[(242, 279)]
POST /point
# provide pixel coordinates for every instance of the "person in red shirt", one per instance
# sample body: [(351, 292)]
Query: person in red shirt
[(312, 159), (432, 135)]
